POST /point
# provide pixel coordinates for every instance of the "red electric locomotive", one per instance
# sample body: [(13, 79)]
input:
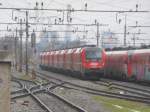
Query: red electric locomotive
[(86, 60)]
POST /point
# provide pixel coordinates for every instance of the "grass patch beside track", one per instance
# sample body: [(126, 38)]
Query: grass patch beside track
[(119, 105), (26, 77), (29, 78)]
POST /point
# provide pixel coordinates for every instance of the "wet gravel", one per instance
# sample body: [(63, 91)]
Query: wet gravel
[(84, 100), (26, 104), (89, 83), (79, 98), (14, 86), (55, 104), (73, 80)]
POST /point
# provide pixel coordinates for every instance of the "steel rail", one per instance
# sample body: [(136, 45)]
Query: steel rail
[(100, 92), (138, 91), (76, 107), (32, 94)]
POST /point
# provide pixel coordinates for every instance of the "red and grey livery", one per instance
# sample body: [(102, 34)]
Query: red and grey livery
[(130, 64)]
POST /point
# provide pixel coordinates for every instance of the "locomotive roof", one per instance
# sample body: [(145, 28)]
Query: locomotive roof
[(73, 48), (116, 52), (129, 51), (140, 51)]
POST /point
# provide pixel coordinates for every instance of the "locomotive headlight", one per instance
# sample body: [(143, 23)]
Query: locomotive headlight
[(94, 64), (103, 64)]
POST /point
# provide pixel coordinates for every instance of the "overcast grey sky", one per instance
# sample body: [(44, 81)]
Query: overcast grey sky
[(85, 17)]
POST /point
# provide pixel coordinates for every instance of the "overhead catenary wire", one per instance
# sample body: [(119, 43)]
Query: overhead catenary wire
[(74, 10), (141, 26), (73, 31), (105, 2), (60, 24)]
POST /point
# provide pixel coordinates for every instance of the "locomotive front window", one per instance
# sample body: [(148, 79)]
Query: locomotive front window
[(93, 54)]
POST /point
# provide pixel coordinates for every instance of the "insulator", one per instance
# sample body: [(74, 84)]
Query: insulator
[(37, 4)]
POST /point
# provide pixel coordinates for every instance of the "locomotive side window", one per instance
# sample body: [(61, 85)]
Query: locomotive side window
[(149, 59)]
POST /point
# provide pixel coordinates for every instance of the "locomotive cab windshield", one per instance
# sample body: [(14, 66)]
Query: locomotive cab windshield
[(93, 54)]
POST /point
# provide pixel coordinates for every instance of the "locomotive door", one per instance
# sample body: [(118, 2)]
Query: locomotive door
[(147, 70), (129, 64)]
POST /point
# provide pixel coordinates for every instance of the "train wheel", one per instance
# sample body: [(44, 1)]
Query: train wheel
[(133, 78), (83, 76)]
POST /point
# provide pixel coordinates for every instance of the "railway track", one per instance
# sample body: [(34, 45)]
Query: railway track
[(17, 83), (19, 94), (132, 84), (125, 88), (144, 98), (46, 89)]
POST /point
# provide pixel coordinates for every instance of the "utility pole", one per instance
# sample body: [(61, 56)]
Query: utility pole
[(125, 30), (98, 36), (21, 33), (33, 58), (102, 41), (27, 35), (16, 41), (134, 40), (69, 20)]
